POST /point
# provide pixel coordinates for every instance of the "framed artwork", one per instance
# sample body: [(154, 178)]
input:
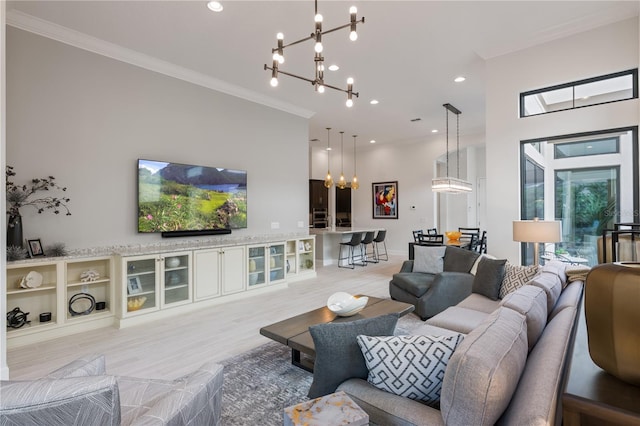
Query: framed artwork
[(385, 200), (133, 285), (35, 248)]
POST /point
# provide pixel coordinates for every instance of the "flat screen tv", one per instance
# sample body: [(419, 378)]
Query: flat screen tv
[(181, 199)]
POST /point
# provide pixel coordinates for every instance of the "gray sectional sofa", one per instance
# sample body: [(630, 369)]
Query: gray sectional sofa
[(431, 293), (81, 393), (509, 368)]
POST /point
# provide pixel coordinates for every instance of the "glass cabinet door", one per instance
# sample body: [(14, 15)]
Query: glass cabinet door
[(141, 284), (277, 260), (176, 279), (257, 265)]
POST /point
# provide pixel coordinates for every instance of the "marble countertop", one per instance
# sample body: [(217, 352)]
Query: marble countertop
[(164, 246)]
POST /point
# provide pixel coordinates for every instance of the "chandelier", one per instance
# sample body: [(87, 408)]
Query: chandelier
[(318, 59), (449, 184)]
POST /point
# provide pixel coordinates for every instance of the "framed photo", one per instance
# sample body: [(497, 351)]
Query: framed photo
[(35, 248), (385, 200), (133, 285)]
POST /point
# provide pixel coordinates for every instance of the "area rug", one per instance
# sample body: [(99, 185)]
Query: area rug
[(260, 383)]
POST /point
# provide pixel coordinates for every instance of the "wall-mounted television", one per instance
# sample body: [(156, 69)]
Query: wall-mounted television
[(182, 199)]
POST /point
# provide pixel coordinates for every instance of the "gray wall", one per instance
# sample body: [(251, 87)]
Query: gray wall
[(593, 53), (86, 119)]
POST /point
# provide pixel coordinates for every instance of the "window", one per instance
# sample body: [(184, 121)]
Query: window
[(588, 181), (594, 91), (584, 148)]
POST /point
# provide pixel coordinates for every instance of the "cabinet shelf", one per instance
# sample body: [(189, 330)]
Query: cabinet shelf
[(30, 290), (142, 293), (174, 287), (141, 273), (79, 284), (33, 326)]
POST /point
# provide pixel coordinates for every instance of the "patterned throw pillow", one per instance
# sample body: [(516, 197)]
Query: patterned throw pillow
[(409, 366), (516, 276)]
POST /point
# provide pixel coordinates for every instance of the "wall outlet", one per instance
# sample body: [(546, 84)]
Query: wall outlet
[(300, 224), (275, 225)]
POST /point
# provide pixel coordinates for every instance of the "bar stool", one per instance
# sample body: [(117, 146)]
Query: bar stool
[(379, 239), (368, 241), (350, 246)]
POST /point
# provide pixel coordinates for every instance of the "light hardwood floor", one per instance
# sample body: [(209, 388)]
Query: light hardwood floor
[(170, 347)]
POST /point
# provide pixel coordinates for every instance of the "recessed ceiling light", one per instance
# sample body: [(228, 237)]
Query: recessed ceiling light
[(333, 67), (459, 79), (372, 141), (328, 149), (374, 102), (215, 6), (434, 131)]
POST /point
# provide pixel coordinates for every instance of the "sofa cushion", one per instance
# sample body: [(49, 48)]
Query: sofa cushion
[(569, 298), (480, 303), (474, 268), (516, 276), (428, 259), (531, 302), (489, 277), (552, 286), (409, 366), (459, 260), (458, 319), (483, 372), (413, 283), (338, 356)]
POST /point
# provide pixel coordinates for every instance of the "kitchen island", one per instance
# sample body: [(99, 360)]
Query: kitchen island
[(328, 242)]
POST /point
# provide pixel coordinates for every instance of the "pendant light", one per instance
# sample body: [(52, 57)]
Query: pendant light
[(449, 184), (354, 182), (328, 181), (342, 183)]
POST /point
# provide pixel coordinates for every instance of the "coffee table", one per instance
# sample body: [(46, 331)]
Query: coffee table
[(294, 332)]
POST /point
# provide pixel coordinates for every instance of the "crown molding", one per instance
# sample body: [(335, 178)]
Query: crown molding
[(101, 47)]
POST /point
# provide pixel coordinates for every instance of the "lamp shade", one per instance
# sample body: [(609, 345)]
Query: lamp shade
[(537, 231)]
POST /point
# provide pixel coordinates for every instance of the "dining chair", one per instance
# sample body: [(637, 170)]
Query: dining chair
[(416, 235), (431, 240), (482, 243), (470, 236)]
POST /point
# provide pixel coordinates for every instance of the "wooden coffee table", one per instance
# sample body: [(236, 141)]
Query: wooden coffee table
[(294, 332)]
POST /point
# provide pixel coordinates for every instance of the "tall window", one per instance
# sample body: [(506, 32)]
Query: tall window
[(588, 181)]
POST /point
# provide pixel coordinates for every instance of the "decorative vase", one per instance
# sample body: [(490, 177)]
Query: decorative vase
[(612, 295), (252, 265), (14, 231)]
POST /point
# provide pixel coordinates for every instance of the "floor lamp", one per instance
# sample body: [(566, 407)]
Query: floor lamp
[(537, 231)]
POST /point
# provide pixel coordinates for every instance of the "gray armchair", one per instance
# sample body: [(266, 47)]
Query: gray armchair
[(433, 293), (80, 393)]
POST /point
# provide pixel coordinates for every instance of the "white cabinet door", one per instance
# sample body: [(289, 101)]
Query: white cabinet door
[(233, 270), (206, 273)]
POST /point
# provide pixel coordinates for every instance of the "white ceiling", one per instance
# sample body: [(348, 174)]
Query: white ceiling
[(406, 56)]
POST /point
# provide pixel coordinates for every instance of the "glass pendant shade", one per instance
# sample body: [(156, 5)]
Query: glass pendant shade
[(328, 180), (354, 182)]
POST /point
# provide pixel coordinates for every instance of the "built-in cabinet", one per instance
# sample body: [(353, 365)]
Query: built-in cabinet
[(79, 294), (58, 295), (155, 282), (219, 271), (266, 264)]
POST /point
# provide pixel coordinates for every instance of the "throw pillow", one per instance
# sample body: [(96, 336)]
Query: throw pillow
[(474, 268), (516, 276), (489, 277), (338, 355), (428, 259), (409, 366)]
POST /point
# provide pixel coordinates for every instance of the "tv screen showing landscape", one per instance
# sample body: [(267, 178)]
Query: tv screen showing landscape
[(176, 197)]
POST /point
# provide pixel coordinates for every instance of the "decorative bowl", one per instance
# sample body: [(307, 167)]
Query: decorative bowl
[(345, 305), (453, 235), (135, 303), (253, 279)]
